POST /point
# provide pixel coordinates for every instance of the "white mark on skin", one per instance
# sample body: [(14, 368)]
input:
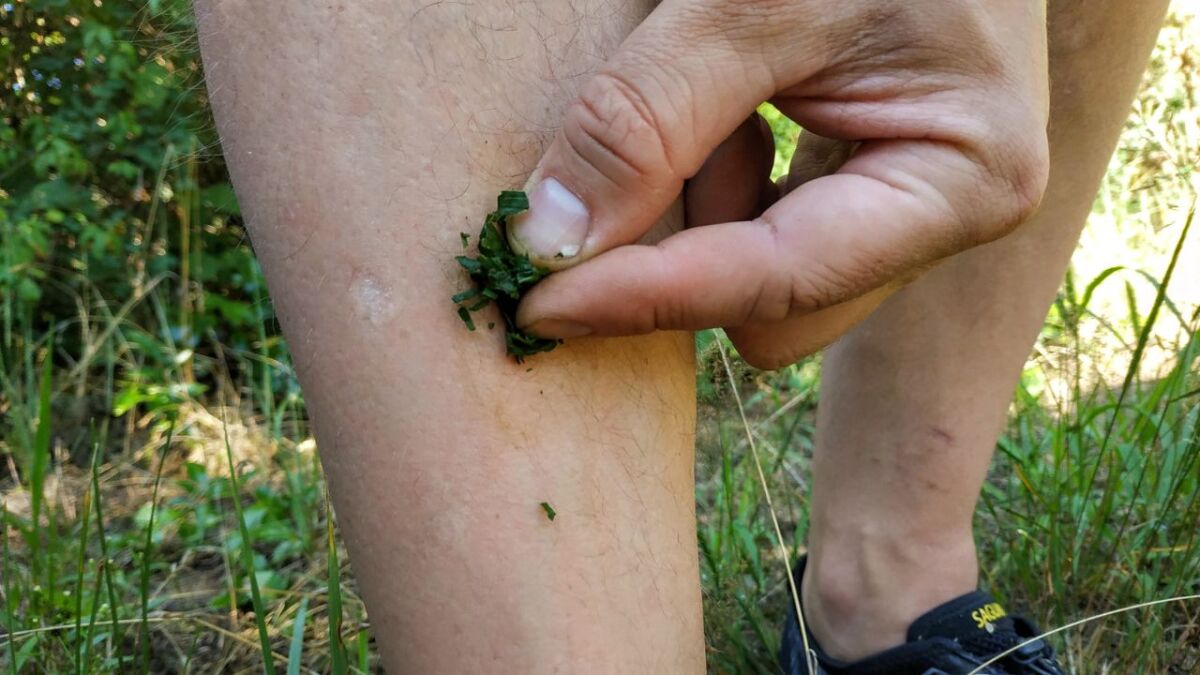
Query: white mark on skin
[(372, 300), (569, 251)]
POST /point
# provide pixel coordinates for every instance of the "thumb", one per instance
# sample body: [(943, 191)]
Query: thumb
[(639, 127)]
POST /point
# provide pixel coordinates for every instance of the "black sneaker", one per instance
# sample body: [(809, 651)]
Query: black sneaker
[(951, 639)]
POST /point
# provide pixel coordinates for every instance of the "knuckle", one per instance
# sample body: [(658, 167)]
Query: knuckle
[(820, 285), (668, 315), (1033, 174), (1017, 170), (775, 296), (1023, 173), (655, 306), (613, 127), (773, 301)]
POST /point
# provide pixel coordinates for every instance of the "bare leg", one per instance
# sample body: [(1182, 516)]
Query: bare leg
[(363, 137), (914, 398)]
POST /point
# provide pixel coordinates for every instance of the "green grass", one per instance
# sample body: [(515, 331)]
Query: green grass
[(164, 510)]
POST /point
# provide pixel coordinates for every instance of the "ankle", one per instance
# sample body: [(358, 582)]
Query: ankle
[(861, 593)]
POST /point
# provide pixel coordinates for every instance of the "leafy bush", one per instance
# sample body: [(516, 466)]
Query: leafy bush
[(122, 238)]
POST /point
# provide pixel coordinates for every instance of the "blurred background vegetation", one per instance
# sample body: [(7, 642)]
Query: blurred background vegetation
[(140, 361)]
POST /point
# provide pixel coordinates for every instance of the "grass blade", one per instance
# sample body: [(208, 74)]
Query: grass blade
[(337, 649), (5, 576), (144, 581), (40, 461), (296, 649), (83, 542), (363, 640), (106, 562), (260, 609), (101, 572)]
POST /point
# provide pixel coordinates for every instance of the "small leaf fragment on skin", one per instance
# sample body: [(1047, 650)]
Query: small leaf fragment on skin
[(466, 317), (502, 277), (550, 513)]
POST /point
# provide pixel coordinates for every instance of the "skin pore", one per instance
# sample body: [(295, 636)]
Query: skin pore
[(364, 136)]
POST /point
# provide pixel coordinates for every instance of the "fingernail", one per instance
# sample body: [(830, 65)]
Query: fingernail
[(558, 328), (555, 224)]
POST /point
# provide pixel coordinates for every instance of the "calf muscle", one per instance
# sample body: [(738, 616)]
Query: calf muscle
[(363, 138)]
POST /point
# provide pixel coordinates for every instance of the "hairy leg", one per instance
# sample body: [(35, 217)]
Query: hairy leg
[(363, 137), (914, 398)]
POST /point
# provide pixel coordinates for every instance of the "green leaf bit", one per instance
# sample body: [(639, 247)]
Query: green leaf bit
[(501, 276), (550, 512)]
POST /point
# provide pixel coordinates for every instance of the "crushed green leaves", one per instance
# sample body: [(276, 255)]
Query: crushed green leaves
[(550, 512), (500, 276)]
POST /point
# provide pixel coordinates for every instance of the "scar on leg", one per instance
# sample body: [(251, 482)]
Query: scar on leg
[(941, 435), (373, 301)]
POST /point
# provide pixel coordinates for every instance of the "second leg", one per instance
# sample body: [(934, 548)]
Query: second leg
[(914, 398)]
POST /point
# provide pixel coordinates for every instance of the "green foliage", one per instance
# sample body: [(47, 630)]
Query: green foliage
[(501, 277), (784, 132), (106, 599), (121, 234), (93, 105)]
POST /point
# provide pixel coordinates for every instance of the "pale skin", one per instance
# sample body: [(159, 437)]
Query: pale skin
[(363, 137)]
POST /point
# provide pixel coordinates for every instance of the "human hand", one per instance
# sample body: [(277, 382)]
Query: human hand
[(946, 104)]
